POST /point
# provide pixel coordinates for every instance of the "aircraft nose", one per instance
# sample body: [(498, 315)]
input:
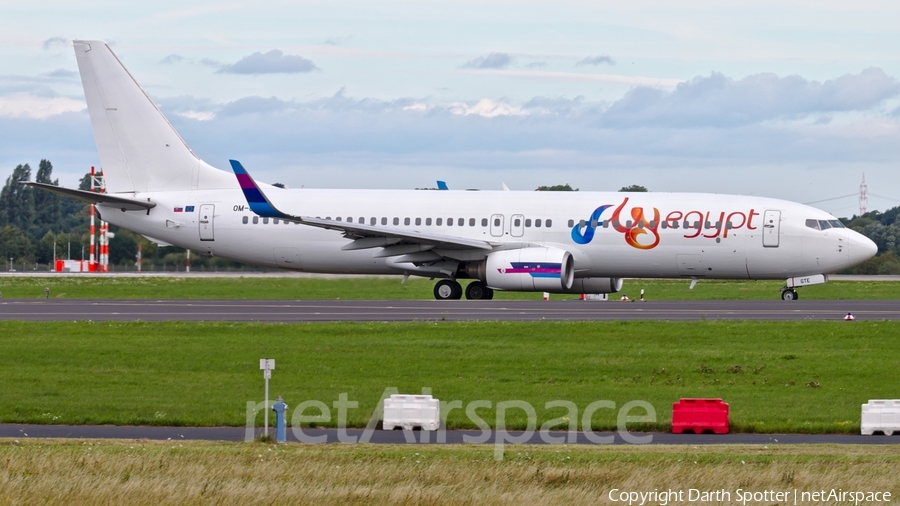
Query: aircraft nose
[(861, 248)]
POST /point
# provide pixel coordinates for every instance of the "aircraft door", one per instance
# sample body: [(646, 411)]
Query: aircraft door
[(771, 228), (207, 214), (497, 225), (517, 225)]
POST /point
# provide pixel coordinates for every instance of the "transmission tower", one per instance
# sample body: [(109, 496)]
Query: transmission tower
[(863, 199)]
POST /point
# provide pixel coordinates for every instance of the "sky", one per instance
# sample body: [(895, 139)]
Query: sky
[(787, 99)]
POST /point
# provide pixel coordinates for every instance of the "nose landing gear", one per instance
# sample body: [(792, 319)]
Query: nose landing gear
[(789, 294)]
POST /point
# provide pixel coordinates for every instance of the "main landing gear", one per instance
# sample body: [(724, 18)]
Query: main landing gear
[(449, 289)]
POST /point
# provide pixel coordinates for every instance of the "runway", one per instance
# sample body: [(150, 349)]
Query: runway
[(288, 311), (417, 437)]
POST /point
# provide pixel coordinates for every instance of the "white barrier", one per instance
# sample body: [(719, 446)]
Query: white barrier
[(880, 415), (409, 411)]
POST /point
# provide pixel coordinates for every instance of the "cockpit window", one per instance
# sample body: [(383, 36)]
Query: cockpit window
[(824, 224)]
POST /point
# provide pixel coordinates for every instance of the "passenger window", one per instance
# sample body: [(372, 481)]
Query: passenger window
[(517, 222), (362, 220), (255, 220), (428, 222), (593, 223), (373, 221), (571, 223), (265, 221), (687, 225), (449, 222), (418, 221), (664, 225), (628, 224), (471, 222), (461, 222), (581, 223), (537, 223), (438, 221), (406, 221), (484, 222), (336, 219), (496, 222), (383, 220), (275, 221), (549, 223), (640, 224), (528, 222), (245, 220), (349, 219)]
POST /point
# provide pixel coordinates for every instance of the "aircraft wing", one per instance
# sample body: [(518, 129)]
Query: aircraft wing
[(124, 203), (395, 241)]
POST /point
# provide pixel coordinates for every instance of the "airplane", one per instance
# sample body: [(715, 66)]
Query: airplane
[(557, 242)]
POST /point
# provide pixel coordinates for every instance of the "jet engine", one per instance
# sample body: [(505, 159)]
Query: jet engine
[(594, 285), (538, 269)]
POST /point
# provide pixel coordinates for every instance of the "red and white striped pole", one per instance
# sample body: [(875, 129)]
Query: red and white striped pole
[(92, 266), (188, 261), (139, 258), (104, 246)]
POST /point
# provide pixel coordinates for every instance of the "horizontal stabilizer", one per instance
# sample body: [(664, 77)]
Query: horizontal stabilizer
[(123, 203)]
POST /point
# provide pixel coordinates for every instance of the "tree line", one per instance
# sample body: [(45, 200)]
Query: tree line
[(33, 222)]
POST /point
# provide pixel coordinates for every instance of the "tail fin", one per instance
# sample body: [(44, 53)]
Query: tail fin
[(139, 149)]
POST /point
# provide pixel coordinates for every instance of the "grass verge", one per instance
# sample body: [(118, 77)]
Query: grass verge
[(74, 287), (155, 473), (777, 376)]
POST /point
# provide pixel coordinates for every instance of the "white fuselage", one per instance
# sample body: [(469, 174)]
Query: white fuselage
[(730, 237)]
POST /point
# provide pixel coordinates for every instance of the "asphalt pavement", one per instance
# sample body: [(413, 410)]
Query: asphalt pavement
[(434, 310)]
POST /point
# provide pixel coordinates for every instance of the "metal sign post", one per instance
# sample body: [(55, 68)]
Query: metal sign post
[(267, 365)]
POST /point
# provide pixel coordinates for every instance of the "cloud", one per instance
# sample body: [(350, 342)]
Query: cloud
[(486, 108), (597, 60), (55, 42), (337, 41), (491, 61), (536, 65), (273, 62), (23, 105), (60, 74), (720, 101), (172, 58)]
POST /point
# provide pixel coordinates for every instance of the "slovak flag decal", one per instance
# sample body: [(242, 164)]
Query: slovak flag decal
[(179, 209)]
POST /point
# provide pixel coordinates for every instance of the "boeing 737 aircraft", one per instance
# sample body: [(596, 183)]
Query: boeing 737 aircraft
[(558, 242)]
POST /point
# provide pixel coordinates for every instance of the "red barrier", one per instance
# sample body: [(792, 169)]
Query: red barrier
[(699, 416)]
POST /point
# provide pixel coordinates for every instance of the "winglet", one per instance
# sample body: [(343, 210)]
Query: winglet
[(259, 204), (442, 185)]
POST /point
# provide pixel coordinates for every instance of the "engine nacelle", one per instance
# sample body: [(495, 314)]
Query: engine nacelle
[(530, 270), (594, 285)]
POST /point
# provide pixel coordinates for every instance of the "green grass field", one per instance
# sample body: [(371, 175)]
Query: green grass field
[(777, 376), (168, 472), (391, 288)]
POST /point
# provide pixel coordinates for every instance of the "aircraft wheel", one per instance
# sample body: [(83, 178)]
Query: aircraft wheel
[(479, 291), (447, 289), (789, 295)]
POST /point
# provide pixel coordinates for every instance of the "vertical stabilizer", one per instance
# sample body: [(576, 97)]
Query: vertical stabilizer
[(139, 149)]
